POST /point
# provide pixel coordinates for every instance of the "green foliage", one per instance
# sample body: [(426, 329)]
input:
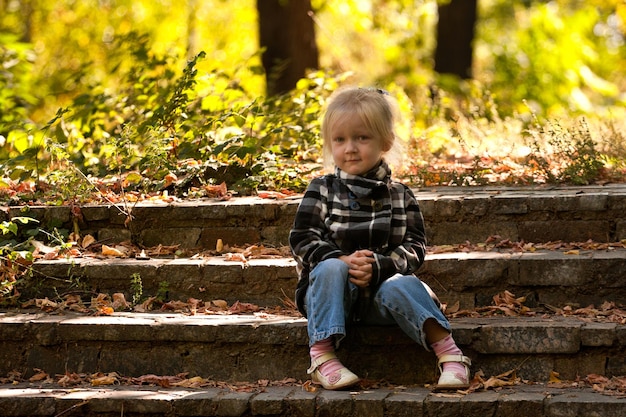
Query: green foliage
[(146, 112), (574, 157), (136, 288), (160, 122), (555, 56)]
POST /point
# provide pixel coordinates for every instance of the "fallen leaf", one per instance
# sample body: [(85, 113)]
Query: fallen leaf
[(554, 378), (119, 302), (309, 387), (104, 380), (110, 251), (39, 376), (221, 304)]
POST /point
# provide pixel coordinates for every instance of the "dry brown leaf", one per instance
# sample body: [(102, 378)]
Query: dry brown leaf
[(87, 240), (239, 308), (111, 251), (221, 304), (220, 190), (145, 306), (454, 308), (195, 382), (104, 380), (309, 387), (70, 379), (174, 306), (236, 257), (119, 302), (39, 376)]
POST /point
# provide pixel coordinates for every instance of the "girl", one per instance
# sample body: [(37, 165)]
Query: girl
[(358, 238)]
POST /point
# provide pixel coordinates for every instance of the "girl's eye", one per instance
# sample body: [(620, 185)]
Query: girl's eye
[(338, 140), (363, 137)]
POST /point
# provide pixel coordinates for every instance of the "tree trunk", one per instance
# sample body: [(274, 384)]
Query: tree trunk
[(455, 35), (287, 34)]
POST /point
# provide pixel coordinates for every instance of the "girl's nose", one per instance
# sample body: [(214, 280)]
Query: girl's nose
[(351, 146)]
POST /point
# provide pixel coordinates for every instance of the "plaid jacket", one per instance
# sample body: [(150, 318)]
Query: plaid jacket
[(342, 213)]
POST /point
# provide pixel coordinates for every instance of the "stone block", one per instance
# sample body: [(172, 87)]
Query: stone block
[(483, 403), (541, 337), (370, 403), (509, 205), (406, 403), (233, 236), (270, 402), (511, 404), (584, 404), (474, 207), (553, 269), (112, 235), (570, 367), (460, 271), (443, 406), (620, 230), (186, 238), (447, 207), (455, 232), (566, 230), (335, 403), (598, 334), (233, 404), (19, 404), (193, 404), (593, 202), (300, 403)]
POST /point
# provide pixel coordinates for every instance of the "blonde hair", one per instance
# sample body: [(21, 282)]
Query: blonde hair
[(375, 107)]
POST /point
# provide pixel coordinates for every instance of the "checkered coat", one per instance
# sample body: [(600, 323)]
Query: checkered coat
[(342, 213)]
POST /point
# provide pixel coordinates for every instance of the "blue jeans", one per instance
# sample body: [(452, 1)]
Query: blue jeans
[(401, 300)]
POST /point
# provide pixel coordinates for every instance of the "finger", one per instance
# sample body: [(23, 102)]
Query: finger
[(363, 261), (359, 282)]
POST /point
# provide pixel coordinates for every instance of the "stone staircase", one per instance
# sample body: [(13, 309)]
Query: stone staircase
[(268, 345)]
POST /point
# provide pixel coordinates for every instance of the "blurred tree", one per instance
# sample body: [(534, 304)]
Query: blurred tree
[(455, 36), (287, 35)]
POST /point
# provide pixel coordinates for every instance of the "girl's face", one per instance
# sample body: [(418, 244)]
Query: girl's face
[(355, 148)]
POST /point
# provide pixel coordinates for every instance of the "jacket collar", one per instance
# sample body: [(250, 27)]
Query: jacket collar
[(362, 186)]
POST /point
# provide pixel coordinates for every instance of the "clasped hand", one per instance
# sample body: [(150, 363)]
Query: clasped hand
[(360, 264)]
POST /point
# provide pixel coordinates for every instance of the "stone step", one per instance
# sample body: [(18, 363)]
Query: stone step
[(266, 346), (471, 279), (452, 215), (535, 401)]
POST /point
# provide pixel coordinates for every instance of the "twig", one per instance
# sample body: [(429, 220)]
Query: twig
[(80, 404)]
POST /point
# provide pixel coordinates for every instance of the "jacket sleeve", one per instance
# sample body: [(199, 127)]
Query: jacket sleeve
[(407, 256), (308, 238)]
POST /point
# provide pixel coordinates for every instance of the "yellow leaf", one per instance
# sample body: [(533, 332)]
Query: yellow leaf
[(554, 377), (572, 252), (107, 311), (104, 380), (109, 251)]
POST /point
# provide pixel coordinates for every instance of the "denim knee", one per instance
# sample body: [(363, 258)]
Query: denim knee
[(329, 269)]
